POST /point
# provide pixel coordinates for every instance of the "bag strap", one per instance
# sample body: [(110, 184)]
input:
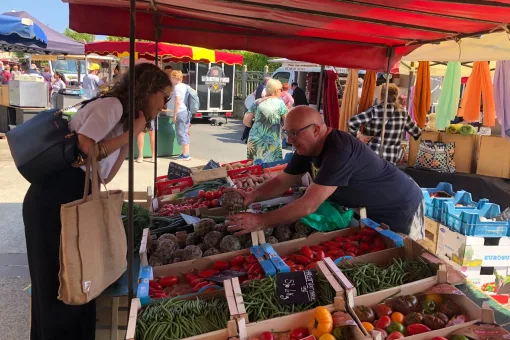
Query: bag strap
[(92, 165)]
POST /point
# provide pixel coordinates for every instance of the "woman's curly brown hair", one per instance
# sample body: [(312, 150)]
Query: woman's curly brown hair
[(149, 79)]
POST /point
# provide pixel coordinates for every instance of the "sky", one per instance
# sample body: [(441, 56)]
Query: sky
[(53, 13)]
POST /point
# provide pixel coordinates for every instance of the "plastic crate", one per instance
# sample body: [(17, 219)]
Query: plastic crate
[(172, 186), (434, 206), (251, 170), (286, 159), (468, 221)]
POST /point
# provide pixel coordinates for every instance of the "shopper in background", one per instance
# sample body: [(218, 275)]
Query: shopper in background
[(287, 97), (265, 140), (397, 123), (58, 84), (15, 71), (140, 141), (91, 82), (26, 69), (46, 74), (103, 121), (6, 74), (182, 117), (116, 74), (299, 95), (168, 70)]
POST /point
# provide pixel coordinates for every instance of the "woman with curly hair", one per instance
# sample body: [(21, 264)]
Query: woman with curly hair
[(102, 123), (265, 140)]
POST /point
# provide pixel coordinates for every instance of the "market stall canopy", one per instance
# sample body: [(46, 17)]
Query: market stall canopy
[(20, 34), (57, 43), (168, 52), (354, 34), (438, 68)]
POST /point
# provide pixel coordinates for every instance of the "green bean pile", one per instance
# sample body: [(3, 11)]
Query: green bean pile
[(177, 319), (369, 278), (261, 301)]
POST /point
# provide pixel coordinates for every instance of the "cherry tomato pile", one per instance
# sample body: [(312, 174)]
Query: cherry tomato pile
[(206, 199), (171, 286), (367, 240)]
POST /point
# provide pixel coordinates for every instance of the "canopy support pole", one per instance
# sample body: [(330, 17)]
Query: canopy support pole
[(411, 76), (156, 61), (385, 111), (319, 93), (132, 32)]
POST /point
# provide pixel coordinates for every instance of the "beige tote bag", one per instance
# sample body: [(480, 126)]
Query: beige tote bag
[(92, 243)]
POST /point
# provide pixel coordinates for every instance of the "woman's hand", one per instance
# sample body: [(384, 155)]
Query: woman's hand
[(140, 123), (363, 138), (174, 118)]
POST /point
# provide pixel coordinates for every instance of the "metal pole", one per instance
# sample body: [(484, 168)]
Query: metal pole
[(385, 111), (156, 61), (411, 76), (319, 92), (132, 32)]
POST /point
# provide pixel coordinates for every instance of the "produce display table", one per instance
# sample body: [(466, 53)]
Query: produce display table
[(497, 190)]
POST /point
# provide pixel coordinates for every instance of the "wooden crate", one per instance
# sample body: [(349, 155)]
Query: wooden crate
[(111, 317), (142, 198), (431, 235)]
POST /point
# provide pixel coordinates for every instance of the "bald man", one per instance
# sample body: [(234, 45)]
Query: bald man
[(343, 169)]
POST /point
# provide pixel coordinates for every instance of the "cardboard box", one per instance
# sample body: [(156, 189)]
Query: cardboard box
[(4, 95), (471, 251), (493, 157), (482, 275), (431, 234), (465, 151), (200, 176), (414, 145)]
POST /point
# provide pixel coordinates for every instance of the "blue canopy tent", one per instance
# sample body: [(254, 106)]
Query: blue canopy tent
[(21, 34)]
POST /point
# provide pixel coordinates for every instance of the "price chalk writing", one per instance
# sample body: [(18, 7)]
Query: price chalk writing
[(296, 287), (176, 171)]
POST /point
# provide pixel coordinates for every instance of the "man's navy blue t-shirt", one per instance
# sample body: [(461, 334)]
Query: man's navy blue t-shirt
[(363, 180)]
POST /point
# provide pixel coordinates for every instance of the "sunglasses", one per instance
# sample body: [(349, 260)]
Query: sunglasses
[(294, 134), (166, 98)]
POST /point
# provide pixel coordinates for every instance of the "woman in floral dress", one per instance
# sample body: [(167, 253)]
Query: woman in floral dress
[(265, 140)]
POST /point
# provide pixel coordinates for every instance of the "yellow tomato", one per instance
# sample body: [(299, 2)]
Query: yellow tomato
[(322, 322), (327, 337), (397, 317), (368, 326), (437, 298)]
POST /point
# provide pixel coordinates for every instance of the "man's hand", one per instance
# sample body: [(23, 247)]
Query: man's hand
[(244, 223), (248, 197)]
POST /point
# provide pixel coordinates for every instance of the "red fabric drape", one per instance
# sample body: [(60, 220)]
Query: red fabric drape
[(330, 99)]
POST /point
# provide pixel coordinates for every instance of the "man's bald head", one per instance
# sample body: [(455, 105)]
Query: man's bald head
[(306, 129), (303, 115)]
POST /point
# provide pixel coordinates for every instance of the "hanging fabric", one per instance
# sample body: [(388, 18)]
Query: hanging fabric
[(479, 83), (450, 94), (501, 99), (330, 99), (368, 91), (350, 100), (421, 102)]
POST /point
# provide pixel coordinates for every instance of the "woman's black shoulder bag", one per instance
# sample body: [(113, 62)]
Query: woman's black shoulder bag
[(44, 145)]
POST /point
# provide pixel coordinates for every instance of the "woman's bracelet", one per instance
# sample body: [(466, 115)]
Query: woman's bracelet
[(103, 152)]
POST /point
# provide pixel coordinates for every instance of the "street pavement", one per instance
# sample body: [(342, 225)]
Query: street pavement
[(220, 143)]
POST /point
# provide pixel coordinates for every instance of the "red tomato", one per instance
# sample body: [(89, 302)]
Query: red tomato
[(208, 204), (306, 251), (202, 205), (299, 333), (209, 195), (218, 193), (236, 268), (194, 282), (383, 322), (201, 194), (299, 268), (303, 260), (251, 259), (395, 335), (169, 281), (311, 266), (195, 206), (266, 336), (365, 246), (317, 248), (190, 277), (153, 284), (215, 203), (290, 263), (319, 255), (289, 192), (208, 273), (237, 261), (221, 265)]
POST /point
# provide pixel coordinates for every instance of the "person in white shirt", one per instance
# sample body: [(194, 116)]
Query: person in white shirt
[(101, 123), (91, 82), (58, 84), (181, 115)]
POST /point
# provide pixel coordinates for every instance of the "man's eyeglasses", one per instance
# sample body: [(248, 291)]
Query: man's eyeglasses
[(294, 134), (167, 98)]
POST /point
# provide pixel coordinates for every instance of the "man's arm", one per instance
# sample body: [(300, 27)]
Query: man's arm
[(275, 186), (314, 196)]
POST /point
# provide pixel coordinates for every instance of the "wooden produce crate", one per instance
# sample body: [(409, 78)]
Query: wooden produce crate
[(142, 198), (111, 317), (431, 235)]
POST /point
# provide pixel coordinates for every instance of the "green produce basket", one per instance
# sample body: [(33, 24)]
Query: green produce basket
[(167, 140)]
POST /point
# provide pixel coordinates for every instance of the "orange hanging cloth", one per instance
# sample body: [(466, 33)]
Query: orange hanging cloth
[(479, 84), (349, 101), (367, 92), (421, 103)]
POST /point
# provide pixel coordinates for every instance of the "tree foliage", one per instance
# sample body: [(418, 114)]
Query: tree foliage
[(81, 37), (256, 61), (112, 38)]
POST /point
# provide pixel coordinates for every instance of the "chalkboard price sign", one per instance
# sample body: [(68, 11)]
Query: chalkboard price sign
[(176, 171), (296, 287), (226, 275)]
